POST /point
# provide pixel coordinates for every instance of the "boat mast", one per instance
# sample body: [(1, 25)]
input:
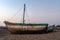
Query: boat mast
[(24, 14)]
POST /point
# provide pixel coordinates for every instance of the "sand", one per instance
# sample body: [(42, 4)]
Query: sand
[(5, 35)]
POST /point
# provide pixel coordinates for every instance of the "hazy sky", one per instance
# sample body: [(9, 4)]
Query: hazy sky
[(37, 11)]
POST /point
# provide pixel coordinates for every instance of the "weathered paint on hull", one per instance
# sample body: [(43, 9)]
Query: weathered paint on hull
[(18, 28)]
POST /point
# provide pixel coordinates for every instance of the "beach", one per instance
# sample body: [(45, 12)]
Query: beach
[(6, 35)]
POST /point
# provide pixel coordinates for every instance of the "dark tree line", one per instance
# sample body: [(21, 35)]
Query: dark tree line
[(58, 26)]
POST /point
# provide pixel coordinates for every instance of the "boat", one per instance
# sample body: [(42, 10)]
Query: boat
[(26, 27)]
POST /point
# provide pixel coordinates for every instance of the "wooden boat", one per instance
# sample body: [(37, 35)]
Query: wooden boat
[(18, 27), (25, 27)]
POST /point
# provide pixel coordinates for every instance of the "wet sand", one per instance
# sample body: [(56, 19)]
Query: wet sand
[(5, 35)]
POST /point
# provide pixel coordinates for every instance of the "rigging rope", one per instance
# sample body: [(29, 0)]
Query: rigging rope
[(14, 15), (27, 16)]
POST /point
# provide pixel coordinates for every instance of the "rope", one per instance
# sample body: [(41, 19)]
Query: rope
[(14, 15), (27, 16)]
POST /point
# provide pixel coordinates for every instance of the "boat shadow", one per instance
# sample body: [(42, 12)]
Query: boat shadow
[(33, 32)]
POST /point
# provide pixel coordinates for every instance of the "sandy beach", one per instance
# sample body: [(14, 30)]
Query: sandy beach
[(5, 35)]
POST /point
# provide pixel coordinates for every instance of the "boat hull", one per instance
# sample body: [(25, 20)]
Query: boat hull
[(13, 28)]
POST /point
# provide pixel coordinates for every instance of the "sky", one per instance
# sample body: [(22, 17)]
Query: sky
[(37, 11)]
